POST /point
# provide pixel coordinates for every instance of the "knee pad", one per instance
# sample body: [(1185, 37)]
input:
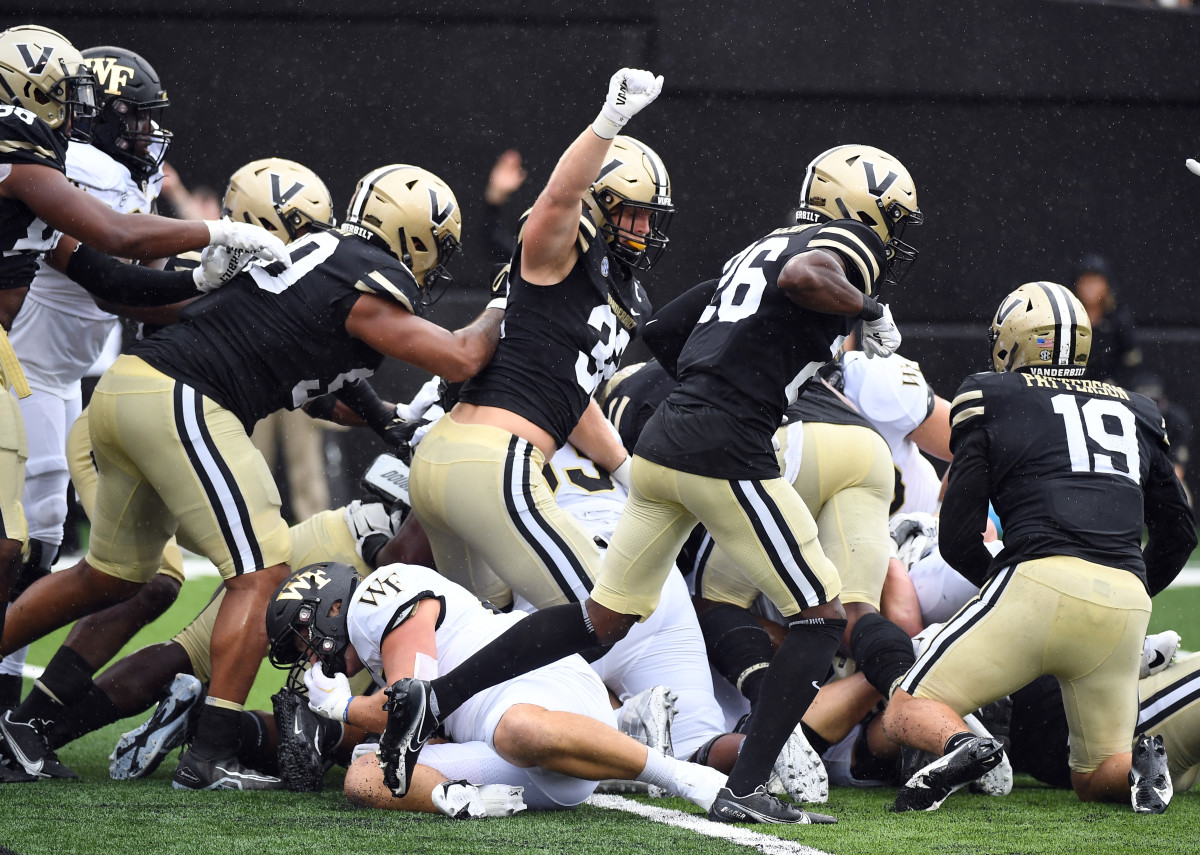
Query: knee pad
[(883, 651), (738, 646)]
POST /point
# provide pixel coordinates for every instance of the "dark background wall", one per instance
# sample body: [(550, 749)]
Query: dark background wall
[(1036, 130)]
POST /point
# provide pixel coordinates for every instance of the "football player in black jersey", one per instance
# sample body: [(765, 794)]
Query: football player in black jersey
[(170, 422), (742, 348), (1074, 469), (573, 304)]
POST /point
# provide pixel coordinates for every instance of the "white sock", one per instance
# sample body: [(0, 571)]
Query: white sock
[(659, 771)]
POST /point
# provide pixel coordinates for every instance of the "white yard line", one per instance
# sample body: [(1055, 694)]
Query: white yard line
[(764, 843)]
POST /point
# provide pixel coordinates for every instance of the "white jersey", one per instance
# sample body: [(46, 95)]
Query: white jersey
[(60, 332), (587, 492), (894, 395)]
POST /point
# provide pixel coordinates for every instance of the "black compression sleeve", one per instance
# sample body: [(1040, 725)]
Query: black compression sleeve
[(128, 284), (964, 511), (363, 399), (668, 330)]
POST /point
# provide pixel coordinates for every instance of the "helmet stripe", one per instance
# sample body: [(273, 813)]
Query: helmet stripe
[(1064, 323), (658, 169), (368, 184)]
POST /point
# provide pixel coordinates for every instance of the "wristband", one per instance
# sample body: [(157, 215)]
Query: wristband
[(871, 310), (346, 711), (605, 128), (500, 303)]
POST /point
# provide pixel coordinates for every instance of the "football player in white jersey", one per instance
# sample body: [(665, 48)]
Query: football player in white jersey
[(550, 731), (60, 331)]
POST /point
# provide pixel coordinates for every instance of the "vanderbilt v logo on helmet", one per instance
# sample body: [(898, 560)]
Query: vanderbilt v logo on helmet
[(633, 179), (860, 182), (43, 73), (280, 195), (412, 214), (1042, 328)]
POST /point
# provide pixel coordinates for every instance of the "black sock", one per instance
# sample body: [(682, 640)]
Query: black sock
[(256, 749), (10, 691), (217, 732), (818, 742), (544, 637), (883, 651), (957, 740), (94, 711), (65, 681), (789, 687)]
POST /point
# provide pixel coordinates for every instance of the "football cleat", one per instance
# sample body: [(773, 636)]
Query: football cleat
[(24, 746), (463, 800), (799, 772), (648, 716), (761, 806), (998, 781), (301, 732), (140, 751), (929, 787), (1158, 651), (225, 773), (410, 724), (1150, 785)]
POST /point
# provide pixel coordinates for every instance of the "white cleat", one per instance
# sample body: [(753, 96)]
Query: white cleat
[(1158, 652), (463, 800), (647, 717), (799, 772)]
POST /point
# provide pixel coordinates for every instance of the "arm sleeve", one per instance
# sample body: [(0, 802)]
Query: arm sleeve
[(668, 331), (965, 510), (361, 397), (128, 284), (1170, 524)]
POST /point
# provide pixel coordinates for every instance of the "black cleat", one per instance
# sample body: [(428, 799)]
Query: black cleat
[(302, 764), (1150, 785), (410, 724), (761, 806), (929, 787), (224, 773), (25, 748)]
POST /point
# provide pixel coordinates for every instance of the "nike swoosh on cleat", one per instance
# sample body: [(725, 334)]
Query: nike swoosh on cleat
[(1158, 659)]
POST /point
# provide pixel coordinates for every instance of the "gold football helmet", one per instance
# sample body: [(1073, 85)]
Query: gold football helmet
[(635, 178), (1042, 327), (43, 73), (280, 195), (859, 182), (412, 214)]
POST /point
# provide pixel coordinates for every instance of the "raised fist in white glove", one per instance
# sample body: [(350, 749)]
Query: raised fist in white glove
[(629, 91), (218, 264), (327, 696), (254, 239), (880, 337)]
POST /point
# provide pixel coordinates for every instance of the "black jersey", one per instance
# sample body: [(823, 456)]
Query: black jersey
[(24, 138), (751, 353), (559, 342), (633, 397), (1070, 465), (275, 337)]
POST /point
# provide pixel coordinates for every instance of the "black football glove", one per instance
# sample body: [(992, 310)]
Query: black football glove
[(398, 434)]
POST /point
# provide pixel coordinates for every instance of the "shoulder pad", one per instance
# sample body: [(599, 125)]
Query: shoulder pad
[(858, 244), (24, 138), (392, 283)]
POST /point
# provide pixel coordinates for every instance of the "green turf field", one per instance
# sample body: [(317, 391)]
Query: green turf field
[(96, 816)]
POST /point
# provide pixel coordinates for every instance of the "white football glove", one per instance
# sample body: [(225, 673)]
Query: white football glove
[(880, 337), (328, 696), (629, 91), (218, 264), (369, 519), (254, 239)]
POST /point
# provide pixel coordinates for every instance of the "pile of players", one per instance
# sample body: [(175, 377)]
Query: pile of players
[(690, 544)]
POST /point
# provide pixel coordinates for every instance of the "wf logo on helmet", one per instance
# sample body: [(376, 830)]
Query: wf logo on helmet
[(111, 76)]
